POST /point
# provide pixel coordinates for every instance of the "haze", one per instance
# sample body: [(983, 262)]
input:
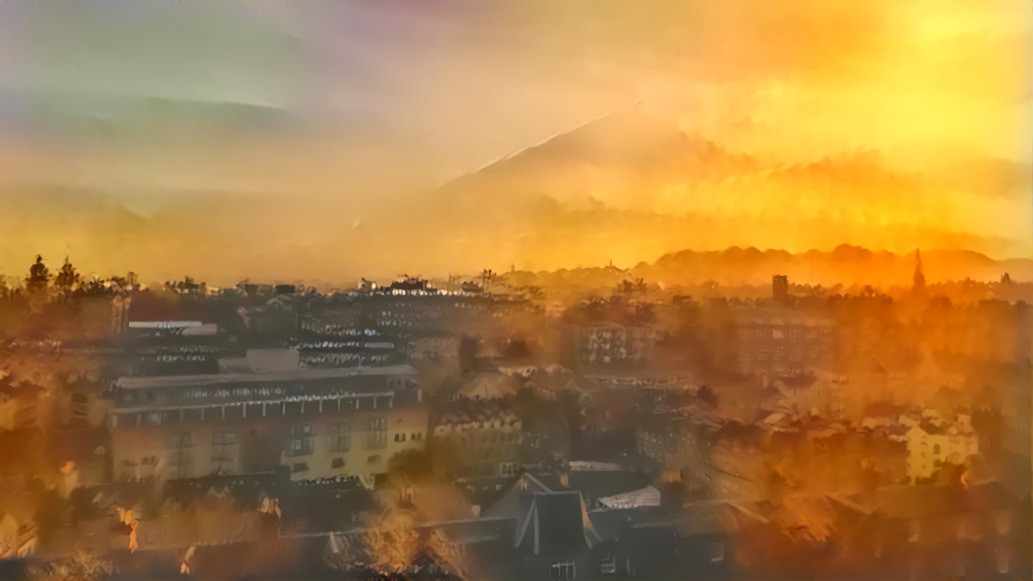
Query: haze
[(311, 140)]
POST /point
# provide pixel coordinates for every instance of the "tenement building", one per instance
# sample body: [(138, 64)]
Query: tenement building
[(316, 423)]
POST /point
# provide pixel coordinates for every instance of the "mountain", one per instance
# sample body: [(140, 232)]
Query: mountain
[(845, 264), (601, 161), (750, 267), (630, 185)]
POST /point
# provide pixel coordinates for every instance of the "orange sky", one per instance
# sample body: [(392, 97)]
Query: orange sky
[(305, 140)]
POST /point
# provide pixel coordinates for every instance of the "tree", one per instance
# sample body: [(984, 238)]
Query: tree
[(67, 278), (412, 465), (39, 276), (390, 546)]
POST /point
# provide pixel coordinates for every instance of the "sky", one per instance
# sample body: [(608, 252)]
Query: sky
[(307, 139)]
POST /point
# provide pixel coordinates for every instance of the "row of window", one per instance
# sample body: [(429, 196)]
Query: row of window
[(505, 438), (224, 442), (808, 335), (779, 353), (336, 464)]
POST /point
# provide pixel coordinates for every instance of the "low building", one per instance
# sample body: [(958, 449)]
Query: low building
[(434, 345), (779, 341), (930, 445), (612, 345), (486, 436), (319, 423), (488, 385), (680, 443)]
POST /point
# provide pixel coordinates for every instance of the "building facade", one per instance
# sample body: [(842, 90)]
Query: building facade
[(317, 423), (782, 342)]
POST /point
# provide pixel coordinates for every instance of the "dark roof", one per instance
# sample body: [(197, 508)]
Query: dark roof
[(245, 490), (483, 491), (81, 446), (931, 500), (326, 510), (516, 500), (612, 523), (594, 484), (557, 524), (148, 307)]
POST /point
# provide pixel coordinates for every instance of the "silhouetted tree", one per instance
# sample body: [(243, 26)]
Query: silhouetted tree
[(39, 276), (67, 278)]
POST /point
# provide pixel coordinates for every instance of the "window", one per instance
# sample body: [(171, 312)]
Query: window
[(608, 563), (376, 433), (340, 437), (399, 437), (1003, 560), (717, 552), (301, 440), (180, 456), (936, 449), (374, 459), (1003, 523), (224, 446), (562, 571), (337, 463), (914, 531), (299, 467)]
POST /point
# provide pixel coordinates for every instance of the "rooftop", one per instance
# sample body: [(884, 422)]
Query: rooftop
[(298, 375)]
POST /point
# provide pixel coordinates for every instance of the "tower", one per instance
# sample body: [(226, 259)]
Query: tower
[(780, 288), (918, 279)]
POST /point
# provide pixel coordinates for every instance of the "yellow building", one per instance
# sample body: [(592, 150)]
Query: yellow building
[(929, 446), (319, 423)]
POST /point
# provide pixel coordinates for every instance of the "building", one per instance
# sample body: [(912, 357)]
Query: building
[(486, 437), (930, 445), (612, 345), (779, 341), (434, 345), (325, 423), (488, 385), (780, 289)]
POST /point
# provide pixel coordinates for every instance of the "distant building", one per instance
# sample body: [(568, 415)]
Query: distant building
[(929, 446), (779, 341), (780, 289), (485, 436), (679, 443), (434, 345), (488, 385), (317, 423), (613, 345)]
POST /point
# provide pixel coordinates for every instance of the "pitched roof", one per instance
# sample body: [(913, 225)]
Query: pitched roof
[(557, 524)]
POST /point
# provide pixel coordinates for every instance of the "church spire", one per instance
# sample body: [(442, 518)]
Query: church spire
[(918, 278)]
